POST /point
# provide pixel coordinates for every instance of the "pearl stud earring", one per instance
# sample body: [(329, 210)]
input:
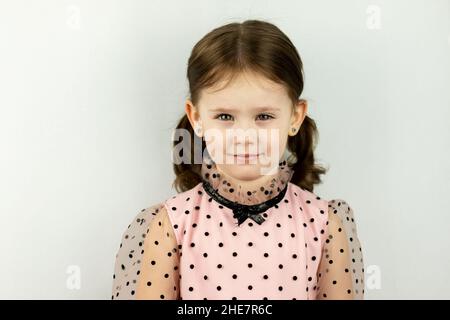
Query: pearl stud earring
[(198, 128)]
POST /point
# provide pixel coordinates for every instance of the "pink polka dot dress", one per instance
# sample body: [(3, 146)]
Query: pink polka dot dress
[(230, 241)]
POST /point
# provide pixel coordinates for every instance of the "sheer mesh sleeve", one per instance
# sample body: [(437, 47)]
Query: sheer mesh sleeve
[(341, 269), (159, 276), (148, 226)]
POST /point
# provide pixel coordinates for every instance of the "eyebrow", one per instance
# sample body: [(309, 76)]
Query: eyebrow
[(258, 109)]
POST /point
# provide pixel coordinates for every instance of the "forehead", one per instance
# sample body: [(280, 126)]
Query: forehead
[(248, 90)]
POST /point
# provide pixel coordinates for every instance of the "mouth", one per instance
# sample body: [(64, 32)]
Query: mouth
[(246, 156)]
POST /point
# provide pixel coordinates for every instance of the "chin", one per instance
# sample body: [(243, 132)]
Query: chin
[(245, 171)]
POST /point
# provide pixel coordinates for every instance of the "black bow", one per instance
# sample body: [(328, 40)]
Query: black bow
[(242, 212)]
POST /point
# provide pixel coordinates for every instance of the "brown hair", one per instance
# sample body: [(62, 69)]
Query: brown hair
[(261, 47)]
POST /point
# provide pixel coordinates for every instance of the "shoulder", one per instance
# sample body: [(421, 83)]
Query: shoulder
[(160, 211), (340, 211), (136, 231), (141, 221), (183, 204), (312, 207), (186, 196), (341, 218), (308, 200), (337, 210)]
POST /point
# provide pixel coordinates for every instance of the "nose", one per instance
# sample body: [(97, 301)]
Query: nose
[(244, 133), (244, 137)]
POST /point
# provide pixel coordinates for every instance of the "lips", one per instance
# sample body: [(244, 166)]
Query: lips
[(246, 156)]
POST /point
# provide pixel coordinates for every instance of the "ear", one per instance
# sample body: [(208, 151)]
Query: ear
[(193, 114), (298, 115)]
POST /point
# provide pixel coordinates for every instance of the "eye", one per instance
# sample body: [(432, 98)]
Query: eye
[(224, 117), (265, 117)]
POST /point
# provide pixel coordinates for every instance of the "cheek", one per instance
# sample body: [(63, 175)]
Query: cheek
[(277, 142), (218, 144), (214, 138)]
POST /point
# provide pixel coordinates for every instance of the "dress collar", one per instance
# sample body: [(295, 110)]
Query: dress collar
[(247, 193)]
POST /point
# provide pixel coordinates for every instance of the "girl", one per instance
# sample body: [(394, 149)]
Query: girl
[(234, 231)]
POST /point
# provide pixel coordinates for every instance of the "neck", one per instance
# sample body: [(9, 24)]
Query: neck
[(247, 192), (255, 183)]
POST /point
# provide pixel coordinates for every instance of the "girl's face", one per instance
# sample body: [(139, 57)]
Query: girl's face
[(246, 124)]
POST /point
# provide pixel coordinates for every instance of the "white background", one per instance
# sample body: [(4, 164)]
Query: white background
[(91, 90)]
